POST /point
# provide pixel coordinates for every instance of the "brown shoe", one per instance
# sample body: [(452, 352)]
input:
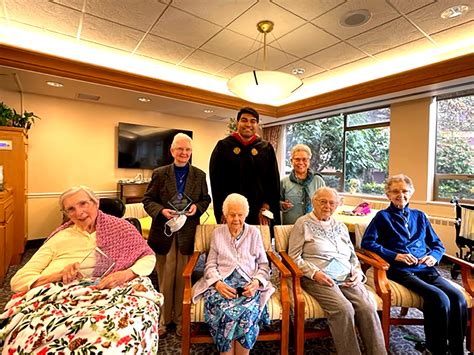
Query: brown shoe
[(162, 332)]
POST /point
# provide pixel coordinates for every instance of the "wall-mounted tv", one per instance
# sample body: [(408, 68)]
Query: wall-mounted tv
[(145, 147)]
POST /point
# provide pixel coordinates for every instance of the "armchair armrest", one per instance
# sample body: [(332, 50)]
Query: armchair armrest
[(188, 270), (284, 275), (380, 267), (466, 272)]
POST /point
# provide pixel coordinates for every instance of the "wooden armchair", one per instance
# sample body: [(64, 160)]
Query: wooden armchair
[(193, 314), (395, 295), (303, 305)]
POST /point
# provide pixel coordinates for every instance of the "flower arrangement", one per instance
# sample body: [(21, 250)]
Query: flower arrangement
[(9, 117), (354, 185)]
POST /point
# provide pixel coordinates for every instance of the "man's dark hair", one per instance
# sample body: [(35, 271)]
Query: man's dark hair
[(248, 110)]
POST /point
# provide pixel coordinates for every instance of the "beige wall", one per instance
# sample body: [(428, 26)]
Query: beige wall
[(76, 143)]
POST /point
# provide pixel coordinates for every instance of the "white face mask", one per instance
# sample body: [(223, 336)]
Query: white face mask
[(175, 224)]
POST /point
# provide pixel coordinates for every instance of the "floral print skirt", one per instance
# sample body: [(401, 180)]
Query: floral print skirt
[(234, 319)]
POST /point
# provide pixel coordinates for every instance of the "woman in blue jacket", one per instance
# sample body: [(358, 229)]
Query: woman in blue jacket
[(405, 238)]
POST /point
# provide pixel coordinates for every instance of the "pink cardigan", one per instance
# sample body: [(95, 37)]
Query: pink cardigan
[(225, 256)]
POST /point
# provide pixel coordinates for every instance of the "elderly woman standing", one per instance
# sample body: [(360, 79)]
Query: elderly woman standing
[(322, 249), (235, 284), (405, 239), (297, 188)]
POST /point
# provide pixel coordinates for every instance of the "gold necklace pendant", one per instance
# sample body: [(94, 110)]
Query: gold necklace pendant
[(236, 150)]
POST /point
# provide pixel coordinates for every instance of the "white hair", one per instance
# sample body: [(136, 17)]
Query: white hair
[(74, 190), (235, 199), (325, 188), (301, 148), (398, 178), (180, 137)]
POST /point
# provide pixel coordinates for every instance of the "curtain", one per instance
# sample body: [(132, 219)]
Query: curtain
[(272, 134)]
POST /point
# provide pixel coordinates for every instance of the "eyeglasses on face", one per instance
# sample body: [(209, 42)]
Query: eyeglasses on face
[(397, 192), (303, 160), (84, 204), (323, 202)]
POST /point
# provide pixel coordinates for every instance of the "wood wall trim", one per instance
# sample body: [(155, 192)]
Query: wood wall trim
[(450, 69), (48, 64)]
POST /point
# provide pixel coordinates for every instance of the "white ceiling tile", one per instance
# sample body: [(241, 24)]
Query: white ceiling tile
[(309, 68), (421, 47), (275, 59), (138, 14), (184, 28), (335, 56), (380, 10), (206, 62), (240, 48), (74, 4), (234, 69), (458, 34), (44, 14), (264, 10), (163, 49), (405, 6), (386, 36), (110, 34), (221, 12), (305, 40), (308, 9), (430, 21)]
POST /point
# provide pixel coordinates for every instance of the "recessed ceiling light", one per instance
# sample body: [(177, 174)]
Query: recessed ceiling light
[(297, 71), (355, 18), (208, 111), (144, 99), (454, 11), (54, 84)]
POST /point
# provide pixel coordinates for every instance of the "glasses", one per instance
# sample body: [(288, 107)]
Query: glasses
[(397, 192), (84, 204), (325, 202), (303, 160)]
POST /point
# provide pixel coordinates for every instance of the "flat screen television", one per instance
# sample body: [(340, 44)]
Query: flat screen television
[(145, 147)]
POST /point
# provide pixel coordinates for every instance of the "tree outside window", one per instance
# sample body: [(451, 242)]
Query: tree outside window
[(454, 172), (348, 149)]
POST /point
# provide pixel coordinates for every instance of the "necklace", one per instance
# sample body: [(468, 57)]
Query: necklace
[(405, 219)]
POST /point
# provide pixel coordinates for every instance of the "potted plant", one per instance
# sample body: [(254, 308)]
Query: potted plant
[(9, 117)]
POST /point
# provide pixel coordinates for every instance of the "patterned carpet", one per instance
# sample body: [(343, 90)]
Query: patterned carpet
[(322, 346)]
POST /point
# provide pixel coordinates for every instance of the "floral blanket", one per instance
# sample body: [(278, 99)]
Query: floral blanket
[(79, 319)]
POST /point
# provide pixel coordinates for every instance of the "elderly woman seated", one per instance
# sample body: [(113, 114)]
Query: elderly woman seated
[(236, 283), (85, 289), (322, 249), (405, 239)]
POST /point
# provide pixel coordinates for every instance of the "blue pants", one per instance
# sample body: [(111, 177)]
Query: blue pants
[(444, 308)]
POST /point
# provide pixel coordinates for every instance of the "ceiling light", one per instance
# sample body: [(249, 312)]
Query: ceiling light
[(144, 99), (54, 84), (355, 18), (454, 11), (297, 71), (208, 111), (264, 86)]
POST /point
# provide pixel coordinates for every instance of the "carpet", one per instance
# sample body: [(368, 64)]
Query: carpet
[(321, 346)]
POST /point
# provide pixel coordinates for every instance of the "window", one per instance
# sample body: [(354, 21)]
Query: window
[(349, 150), (454, 171)]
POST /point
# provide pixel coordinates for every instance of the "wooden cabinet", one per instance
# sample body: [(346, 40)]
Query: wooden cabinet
[(6, 231), (13, 158), (131, 192)]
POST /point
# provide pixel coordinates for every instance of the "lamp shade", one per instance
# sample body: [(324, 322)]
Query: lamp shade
[(263, 87)]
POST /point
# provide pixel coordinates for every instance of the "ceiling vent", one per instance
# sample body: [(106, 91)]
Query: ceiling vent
[(88, 97), (355, 18)]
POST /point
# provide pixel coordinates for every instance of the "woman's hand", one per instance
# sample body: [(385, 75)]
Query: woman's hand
[(192, 210), (264, 221), (116, 279), (353, 280), (323, 279), (286, 205), (225, 290), (168, 213), (407, 259), (70, 273), (251, 288), (428, 260)]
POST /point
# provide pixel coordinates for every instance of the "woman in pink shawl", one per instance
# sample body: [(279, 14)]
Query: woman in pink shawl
[(71, 251)]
